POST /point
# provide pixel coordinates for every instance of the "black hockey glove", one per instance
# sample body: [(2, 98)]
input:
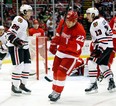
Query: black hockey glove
[(16, 41), (97, 52)]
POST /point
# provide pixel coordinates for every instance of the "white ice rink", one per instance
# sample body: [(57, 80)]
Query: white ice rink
[(73, 94)]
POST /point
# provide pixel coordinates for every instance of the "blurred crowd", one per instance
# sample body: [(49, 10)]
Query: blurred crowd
[(45, 13)]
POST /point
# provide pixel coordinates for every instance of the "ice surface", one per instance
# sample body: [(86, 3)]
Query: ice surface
[(73, 94)]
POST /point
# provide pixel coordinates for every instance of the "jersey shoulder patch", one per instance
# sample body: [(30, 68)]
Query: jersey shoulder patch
[(95, 24), (20, 20)]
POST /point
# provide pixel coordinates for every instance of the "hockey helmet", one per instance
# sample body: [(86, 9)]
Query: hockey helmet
[(35, 22), (2, 27), (72, 16), (24, 8), (92, 11)]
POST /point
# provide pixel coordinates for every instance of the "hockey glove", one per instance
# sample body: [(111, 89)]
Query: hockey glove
[(4, 47), (53, 48), (96, 53), (59, 40), (16, 41)]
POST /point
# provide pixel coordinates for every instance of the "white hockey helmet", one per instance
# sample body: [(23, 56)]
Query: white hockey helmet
[(2, 27), (92, 11), (24, 8)]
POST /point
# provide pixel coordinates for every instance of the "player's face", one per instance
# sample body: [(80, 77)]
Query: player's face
[(29, 14), (1, 32), (36, 26), (88, 16), (70, 23)]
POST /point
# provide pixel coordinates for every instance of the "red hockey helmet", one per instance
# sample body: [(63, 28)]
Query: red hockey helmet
[(35, 22), (71, 19), (72, 16)]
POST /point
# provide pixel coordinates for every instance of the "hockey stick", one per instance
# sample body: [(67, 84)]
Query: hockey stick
[(67, 8), (50, 80)]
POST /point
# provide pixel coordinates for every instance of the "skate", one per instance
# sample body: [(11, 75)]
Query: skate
[(15, 91), (50, 95), (55, 97), (93, 87), (24, 89), (111, 85)]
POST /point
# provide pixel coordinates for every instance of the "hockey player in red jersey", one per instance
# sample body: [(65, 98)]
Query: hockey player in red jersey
[(102, 38), (67, 48), (112, 24)]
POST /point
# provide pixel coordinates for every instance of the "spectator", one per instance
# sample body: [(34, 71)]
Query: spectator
[(50, 27), (36, 30)]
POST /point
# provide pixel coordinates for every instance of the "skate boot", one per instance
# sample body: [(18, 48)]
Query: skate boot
[(111, 84), (92, 87), (55, 96), (50, 95), (15, 91), (24, 89)]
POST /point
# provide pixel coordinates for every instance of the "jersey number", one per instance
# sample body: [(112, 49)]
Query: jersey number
[(15, 27), (98, 32), (80, 38)]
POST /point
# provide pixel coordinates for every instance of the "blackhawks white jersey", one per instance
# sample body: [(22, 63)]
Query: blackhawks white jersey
[(19, 27), (3, 47), (102, 33)]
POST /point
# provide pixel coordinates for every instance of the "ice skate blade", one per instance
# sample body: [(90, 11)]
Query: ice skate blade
[(91, 92), (112, 90), (16, 94), (26, 93), (53, 100)]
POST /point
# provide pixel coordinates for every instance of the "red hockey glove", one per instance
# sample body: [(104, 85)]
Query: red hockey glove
[(53, 48), (59, 40), (55, 40)]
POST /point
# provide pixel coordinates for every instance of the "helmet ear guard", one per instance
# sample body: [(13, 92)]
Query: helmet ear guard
[(25, 12), (93, 15)]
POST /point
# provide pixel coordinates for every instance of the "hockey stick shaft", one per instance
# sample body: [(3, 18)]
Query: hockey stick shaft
[(67, 9), (50, 80)]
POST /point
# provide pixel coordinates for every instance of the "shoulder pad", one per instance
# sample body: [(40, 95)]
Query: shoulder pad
[(95, 24), (20, 20)]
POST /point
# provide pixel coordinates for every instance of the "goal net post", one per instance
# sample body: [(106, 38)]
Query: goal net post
[(38, 52)]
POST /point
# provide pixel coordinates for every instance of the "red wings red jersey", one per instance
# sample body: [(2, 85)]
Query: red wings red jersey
[(39, 32), (75, 37), (113, 24)]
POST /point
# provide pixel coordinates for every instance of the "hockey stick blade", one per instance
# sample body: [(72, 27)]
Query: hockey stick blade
[(48, 79)]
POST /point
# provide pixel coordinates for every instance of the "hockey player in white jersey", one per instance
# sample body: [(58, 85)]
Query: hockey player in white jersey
[(3, 44), (101, 34), (19, 50)]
